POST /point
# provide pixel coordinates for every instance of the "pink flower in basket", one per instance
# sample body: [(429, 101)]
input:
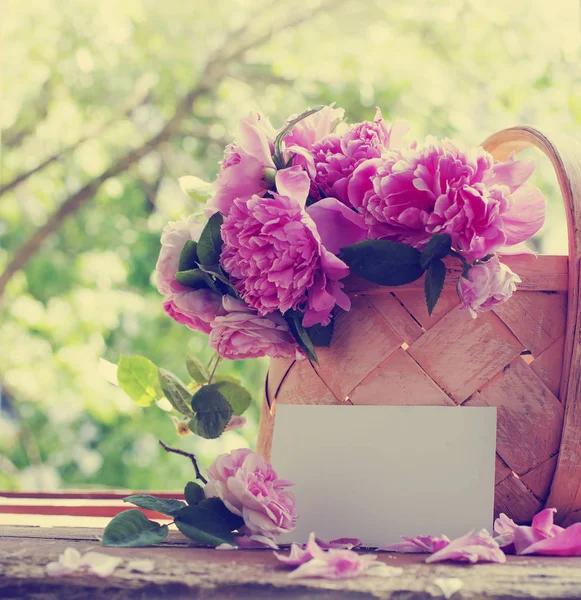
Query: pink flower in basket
[(337, 156), (274, 254), (194, 308), (242, 172), (489, 284), (250, 488), (409, 195), (242, 333)]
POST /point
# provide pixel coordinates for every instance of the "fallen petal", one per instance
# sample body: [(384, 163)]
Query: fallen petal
[(449, 586), (144, 565), (472, 547), (420, 544), (101, 565), (566, 543), (297, 556), (226, 547)]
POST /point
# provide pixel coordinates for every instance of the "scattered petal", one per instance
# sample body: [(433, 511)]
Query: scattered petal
[(472, 547), (565, 543), (341, 543), (298, 555), (416, 545), (101, 565), (449, 586), (255, 542), (226, 547), (336, 564), (143, 565)]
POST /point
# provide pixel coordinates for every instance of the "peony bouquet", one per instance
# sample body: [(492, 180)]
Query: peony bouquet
[(294, 211)]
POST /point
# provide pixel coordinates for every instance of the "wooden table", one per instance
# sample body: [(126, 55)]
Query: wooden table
[(184, 572)]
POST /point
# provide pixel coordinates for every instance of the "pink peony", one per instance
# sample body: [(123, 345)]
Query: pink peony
[(274, 255), (337, 156), (488, 285), (250, 488), (242, 171), (472, 548), (417, 545), (195, 309), (543, 537), (173, 239), (408, 195), (242, 333), (305, 134)]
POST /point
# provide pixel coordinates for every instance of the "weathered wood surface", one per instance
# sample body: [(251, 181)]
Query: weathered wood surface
[(187, 572)]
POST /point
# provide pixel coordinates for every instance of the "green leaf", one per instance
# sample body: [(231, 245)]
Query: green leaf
[(194, 493), (383, 262), (194, 278), (212, 410), (277, 158), (238, 397), (226, 378), (132, 528), (176, 392), (218, 507), (439, 246), (295, 323), (210, 242), (197, 370), (204, 526), (189, 256), (137, 377), (434, 282), (197, 189), (216, 274), (321, 335), (162, 505)]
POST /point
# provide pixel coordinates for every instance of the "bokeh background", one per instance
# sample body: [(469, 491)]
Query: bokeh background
[(105, 104)]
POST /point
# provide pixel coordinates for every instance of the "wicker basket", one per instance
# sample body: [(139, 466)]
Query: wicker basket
[(524, 357)]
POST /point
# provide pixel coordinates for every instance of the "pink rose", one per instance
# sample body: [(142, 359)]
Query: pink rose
[(488, 285), (408, 195), (173, 239), (274, 254), (243, 333), (242, 172), (196, 309), (337, 156), (250, 488)]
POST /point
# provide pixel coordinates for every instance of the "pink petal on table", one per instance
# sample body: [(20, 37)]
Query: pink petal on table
[(416, 545), (542, 528), (298, 555), (101, 565), (336, 564), (472, 547), (504, 525), (256, 542), (565, 543), (68, 562)]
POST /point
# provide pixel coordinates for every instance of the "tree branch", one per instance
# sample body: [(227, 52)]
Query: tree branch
[(187, 455), (211, 76)]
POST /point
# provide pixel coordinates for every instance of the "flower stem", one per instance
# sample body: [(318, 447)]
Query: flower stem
[(187, 455), (218, 359)]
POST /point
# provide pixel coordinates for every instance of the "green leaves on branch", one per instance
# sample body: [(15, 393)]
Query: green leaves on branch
[(138, 378), (238, 397), (383, 262), (434, 283), (193, 493), (204, 526), (392, 264), (164, 506), (213, 412), (132, 528), (210, 242), (176, 392), (196, 370)]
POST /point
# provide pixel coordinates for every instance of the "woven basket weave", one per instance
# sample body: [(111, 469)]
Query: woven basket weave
[(523, 358)]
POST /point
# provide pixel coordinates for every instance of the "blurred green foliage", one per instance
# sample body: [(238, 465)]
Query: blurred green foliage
[(110, 73)]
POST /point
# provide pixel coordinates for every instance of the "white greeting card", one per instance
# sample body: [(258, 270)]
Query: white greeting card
[(380, 472)]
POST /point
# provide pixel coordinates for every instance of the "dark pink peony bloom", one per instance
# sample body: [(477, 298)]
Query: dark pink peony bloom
[(408, 195), (242, 172), (250, 488), (421, 544), (337, 156), (275, 257), (472, 548), (488, 284), (242, 333)]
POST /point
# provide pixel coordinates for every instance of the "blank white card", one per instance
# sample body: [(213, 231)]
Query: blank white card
[(380, 472)]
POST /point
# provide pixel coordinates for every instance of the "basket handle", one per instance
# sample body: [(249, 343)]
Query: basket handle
[(565, 155)]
